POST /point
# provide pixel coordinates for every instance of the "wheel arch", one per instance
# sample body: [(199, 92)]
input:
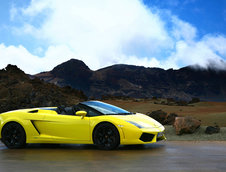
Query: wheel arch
[(121, 135), (12, 121), (12, 139)]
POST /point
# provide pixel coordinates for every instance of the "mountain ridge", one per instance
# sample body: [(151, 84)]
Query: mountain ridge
[(140, 82)]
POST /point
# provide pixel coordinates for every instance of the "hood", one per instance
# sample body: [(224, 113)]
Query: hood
[(141, 119)]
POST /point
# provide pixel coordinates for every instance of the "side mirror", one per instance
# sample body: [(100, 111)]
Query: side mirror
[(81, 113)]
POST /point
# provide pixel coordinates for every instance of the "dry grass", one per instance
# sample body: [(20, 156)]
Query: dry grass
[(208, 112)]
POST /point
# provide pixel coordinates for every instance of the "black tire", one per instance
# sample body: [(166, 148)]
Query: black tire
[(106, 136), (13, 135)]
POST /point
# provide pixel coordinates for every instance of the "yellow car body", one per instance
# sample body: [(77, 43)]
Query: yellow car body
[(46, 125)]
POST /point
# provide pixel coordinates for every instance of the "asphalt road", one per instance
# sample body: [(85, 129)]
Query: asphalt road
[(164, 156)]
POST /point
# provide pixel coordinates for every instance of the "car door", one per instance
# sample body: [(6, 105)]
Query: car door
[(67, 127)]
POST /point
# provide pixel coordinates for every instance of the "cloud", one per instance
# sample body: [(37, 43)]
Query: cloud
[(103, 33), (13, 12), (36, 7), (99, 32), (20, 56), (13, 54), (206, 52), (183, 30)]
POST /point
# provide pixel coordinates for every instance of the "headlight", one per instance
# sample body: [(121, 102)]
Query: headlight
[(134, 123)]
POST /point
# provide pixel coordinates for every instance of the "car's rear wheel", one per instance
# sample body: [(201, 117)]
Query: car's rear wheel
[(106, 136), (13, 135)]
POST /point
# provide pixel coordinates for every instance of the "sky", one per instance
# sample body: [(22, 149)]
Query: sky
[(37, 35)]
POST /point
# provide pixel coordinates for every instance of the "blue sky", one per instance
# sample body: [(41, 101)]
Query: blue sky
[(38, 35), (209, 16)]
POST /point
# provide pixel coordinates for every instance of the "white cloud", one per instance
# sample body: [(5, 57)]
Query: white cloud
[(103, 33), (146, 62), (18, 55), (217, 43), (25, 29), (36, 7), (99, 32), (209, 50), (13, 12), (183, 30)]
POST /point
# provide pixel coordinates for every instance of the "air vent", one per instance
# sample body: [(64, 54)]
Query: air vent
[(146, 137), (33, 123), (33, 111)]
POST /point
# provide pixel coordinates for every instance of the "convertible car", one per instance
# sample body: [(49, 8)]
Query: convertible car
[(90, 122)]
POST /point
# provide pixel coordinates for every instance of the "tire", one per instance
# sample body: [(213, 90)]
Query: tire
[(106, 136), (13, 135)]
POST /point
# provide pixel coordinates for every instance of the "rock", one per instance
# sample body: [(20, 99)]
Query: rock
[(194, 100), (159, 116), (171, 119), (163, 103), (186, 125), (154, 98), (162, 117), (212, 130), (182, 103)]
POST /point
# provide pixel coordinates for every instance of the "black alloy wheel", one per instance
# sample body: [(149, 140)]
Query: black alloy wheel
[(106, 136), (13, 135)]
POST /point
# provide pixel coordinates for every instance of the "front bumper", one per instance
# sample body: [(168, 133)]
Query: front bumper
[(143, 136), (149, 137)]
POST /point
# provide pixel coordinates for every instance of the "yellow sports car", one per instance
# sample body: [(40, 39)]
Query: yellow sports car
[(90, 122)]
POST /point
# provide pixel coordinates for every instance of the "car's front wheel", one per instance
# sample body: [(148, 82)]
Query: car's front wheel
[(106, 136), (13, 135)]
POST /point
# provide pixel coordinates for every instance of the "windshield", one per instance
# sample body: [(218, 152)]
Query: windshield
[(105, 108)]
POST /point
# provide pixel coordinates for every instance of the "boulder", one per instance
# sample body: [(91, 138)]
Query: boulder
[(182, 103), (212, 129), (186, 125), (194, 100), (158, 115), (163, 117), (171, 119)]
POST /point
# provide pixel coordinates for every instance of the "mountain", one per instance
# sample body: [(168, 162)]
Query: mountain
[(18, 91), (140, 82), (74, 73)]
